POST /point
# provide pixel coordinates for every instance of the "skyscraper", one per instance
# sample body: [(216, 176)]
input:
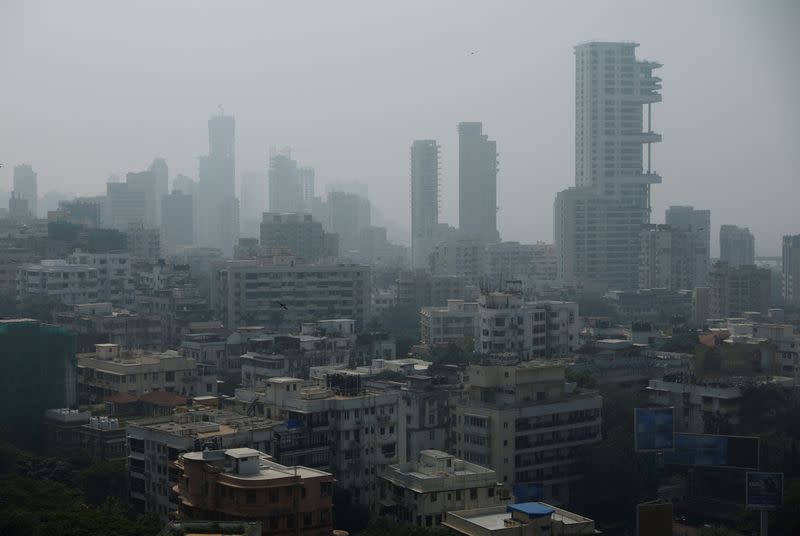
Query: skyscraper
[(219, 224), (159, 168), (790, 280), (145, 182), (307, 179), (736, 245), (599, 221), (25, 187), (285, 192), (253, 201), (477, 183), (177, 220), (698, 224), (424, 200)]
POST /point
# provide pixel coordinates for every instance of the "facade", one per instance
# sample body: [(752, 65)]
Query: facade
[(527, 423), (545, 263), (115, 282), (666, 258), (255, 293), (463, 257), (126, 205), (348, 214), (307, 178), (143, 243), (790, 278), (697, 405), (735, 290), (426, 404), (457, 322), (422, 491), (424, 200), (11, 258), (299, 233), (477, 183), (701, 306), (37, 372), (252, 201), (597, 223), (158, 167), (177, 221), (25, 187), (246, 484), (508, 324), (68, 284), (154, 444), (285, 191), (522, 519), (111, 370), (102, 322), (697, 223), (510, 261), (418, 288), (86, 211), (736, 246)]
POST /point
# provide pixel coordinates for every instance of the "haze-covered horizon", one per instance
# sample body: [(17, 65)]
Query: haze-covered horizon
[(98, 88)]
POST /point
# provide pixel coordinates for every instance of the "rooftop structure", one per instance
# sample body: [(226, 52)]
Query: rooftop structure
[(523, 519)]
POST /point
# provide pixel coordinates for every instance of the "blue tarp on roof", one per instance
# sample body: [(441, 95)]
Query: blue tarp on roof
[(531, 509)]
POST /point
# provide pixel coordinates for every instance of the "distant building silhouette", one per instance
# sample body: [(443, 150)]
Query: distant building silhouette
[(424, 200), (790, 280), (477, 183), (736, 245)]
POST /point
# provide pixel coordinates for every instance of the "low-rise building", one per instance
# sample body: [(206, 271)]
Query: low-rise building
[(523, 519), (95, 322), (737, 289), (11, 258), (115, 282), (457, 322), (421, 492), (243, 484), (56, 279)]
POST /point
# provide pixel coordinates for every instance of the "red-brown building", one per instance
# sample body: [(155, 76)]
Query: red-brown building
[(244, 484)]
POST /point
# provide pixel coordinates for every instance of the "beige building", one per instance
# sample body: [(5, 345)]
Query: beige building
[(421, 492), (524, 519), (527, 423), (54, 278), (454, 323), (111, 370)]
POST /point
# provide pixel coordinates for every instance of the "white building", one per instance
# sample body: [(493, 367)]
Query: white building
[(528, 329), (69, 284), (527, 423), (457, 322), (115, 282), (422, 491), (523, 519)]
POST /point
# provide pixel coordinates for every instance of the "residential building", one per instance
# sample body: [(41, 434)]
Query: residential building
[(477, 183), (11, 259), (285, 191), (143, 243), (701, 306), (375, 249), (458, 322), (154, 444), (298, 233), (56, 279), (253, 201), (246, 484), (37, 372), (597, 223), (735, 290), (26, 187), (697, 223), (126, 205), (527, 423), (115, 282), (306, 177), (418, 288), (426, 402), (509, 324), (102, 322), (177, 221), (111, 369), (421, 492), (160, 171), (790, 279), (424, 200), (545, 263), (348, 214), (258, 293), (510, 261), (736, 246), (465, 257), (522, 519), (87, 211), (666, 258), (18, 210)]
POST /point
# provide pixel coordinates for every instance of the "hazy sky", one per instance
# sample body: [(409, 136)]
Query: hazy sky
[(90, 88)]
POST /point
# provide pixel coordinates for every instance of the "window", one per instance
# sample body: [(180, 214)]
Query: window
[(473, 493), (274, 495), (490, 492), (458, 494)]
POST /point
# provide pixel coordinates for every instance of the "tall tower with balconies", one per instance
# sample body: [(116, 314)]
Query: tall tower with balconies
[(598, 223)]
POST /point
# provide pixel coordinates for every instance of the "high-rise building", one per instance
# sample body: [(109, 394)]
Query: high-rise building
[(159, 168), (307, 178), (25, 186), (177, 221), (666, 258), (253, 201), (285, 192), (348, 214), (299, 233), (598, 223), (697, 223), (218, 208), (790, 280), (424, 200), (126, 205), (146, 182), (144, 243), (37, 372), (739, 289), (186, 185), (477, 183), (736, 245)]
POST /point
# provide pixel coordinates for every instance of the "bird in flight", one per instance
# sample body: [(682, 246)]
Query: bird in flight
[(282, 305)]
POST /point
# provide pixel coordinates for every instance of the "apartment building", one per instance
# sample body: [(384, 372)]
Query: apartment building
[(154, 445), (418, 288), (527, 423), (56, 279), (463, 257), (737, 289), (529, 329), (115, 282), (457, 322), (422, 491), (246, 484), (103, 322), (283, 295), (11, 258), (111, 370)]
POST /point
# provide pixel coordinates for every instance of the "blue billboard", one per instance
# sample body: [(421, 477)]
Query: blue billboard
[(654, 428), (714, 451), (764, 491)]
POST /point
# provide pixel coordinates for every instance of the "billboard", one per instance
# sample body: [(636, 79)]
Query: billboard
[(654, 428), (764, 490), (714, 451), (654, 519)]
